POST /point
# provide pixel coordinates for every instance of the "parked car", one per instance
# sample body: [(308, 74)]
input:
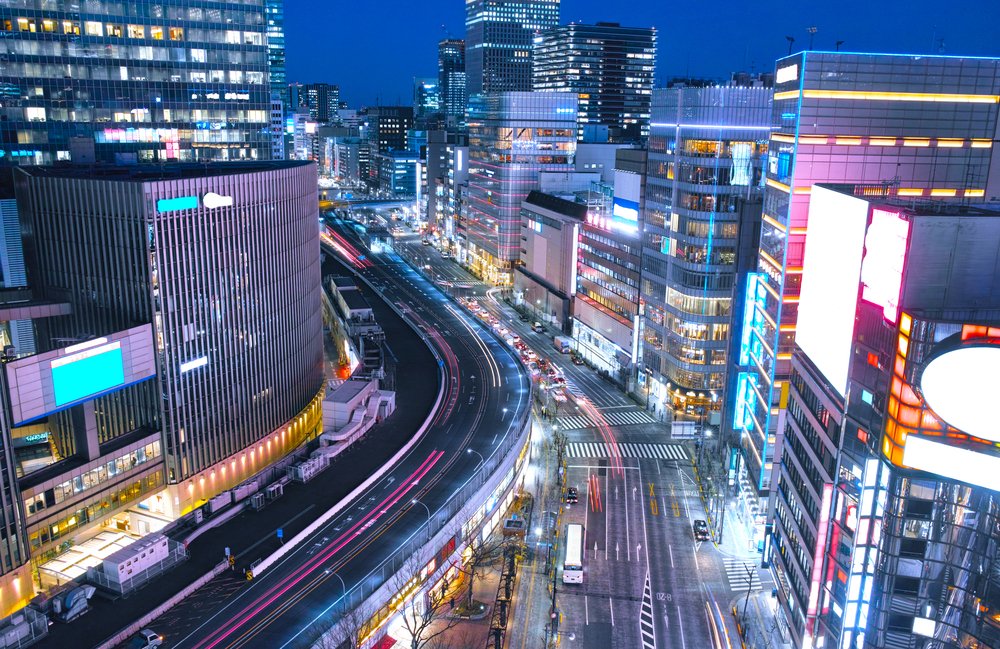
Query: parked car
[(572, 496), (700, 528), (524, 318), (538, 328), (146, 639), (577, 360)]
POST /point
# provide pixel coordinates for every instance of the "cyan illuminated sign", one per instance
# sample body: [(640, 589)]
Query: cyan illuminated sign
[(175, 204)]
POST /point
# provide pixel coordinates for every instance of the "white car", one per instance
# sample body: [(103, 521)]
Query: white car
[(146, 639)]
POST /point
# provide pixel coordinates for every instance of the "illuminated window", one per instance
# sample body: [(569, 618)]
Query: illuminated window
[(156, 33), (176, 33), (113, 30), (136, 31)]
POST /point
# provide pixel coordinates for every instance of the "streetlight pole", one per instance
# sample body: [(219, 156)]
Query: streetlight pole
[(482, 460), (424, 505)]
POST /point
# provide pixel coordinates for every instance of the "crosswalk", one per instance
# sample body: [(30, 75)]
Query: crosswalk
[(630, 450), (616, 418), (736, 573), (646, 617)]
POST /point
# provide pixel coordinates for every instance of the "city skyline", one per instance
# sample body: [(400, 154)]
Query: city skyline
[(368, 75)]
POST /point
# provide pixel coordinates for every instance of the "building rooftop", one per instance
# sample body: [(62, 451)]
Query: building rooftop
[(354, 300), (556, 204), (152, 172)]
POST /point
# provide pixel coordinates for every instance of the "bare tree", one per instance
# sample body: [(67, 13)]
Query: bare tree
[(347, 632), (478, 554), (425, 615)]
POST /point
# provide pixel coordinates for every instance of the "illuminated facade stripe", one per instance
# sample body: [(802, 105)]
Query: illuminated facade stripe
[(866, 95)]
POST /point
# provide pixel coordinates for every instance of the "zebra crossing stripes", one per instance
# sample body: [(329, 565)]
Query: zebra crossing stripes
[(646, 617), (737, 573), (626, 418), (629, 450), (574, 422)]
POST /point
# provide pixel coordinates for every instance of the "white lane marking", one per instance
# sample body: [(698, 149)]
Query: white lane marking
[(670, 549), (611, 605), (680, 623)]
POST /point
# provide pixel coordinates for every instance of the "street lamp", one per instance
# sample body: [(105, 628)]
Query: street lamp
[(482, 460), (424, 505)]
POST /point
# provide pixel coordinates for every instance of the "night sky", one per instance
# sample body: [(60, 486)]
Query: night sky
[(373, 48)]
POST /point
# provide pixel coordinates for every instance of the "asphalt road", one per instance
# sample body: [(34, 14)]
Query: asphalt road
[(486, 393)]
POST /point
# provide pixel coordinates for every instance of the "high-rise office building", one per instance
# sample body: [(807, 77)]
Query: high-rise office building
[(233, 304), (922, 126), (498, 41), (274, 15), (887, 497), (388, 127), (426, 99), (179, 81), (515, 137), (322, 100), (611, 69), (707, 149), (452, 80)]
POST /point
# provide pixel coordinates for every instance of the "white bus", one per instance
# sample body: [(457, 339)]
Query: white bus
[(573, 566)]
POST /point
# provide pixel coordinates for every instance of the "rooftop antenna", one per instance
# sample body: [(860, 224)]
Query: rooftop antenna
[(812, 33), (791, 42)]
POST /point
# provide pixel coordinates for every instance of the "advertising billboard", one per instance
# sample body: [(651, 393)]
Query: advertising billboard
[(45, 383), (831, 271), (885, 255)]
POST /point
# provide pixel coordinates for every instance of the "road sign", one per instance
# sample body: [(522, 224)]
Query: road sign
[(281, 533)]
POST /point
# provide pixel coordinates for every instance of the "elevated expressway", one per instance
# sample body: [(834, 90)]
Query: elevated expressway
[(464, 465)]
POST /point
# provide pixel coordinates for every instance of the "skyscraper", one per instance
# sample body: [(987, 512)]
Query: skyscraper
[(498, 42), (274, 13), (426, 100), (322, 100), (515, 137), (703, 185), (452, 80), (182, 81), (921, 126), (611, 69)]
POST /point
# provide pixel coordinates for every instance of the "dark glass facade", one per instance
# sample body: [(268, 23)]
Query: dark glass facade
[(498, 42), (452, 80), (610, 67), (144, 81)]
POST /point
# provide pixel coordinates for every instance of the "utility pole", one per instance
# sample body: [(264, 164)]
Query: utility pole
[(747, 600)]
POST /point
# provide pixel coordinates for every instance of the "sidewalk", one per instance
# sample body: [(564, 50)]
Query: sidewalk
[(763, 630)]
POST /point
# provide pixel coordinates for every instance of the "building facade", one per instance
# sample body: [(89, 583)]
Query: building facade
[(922, 126), (707, 149), (388, 127), (610, 68), (545, 280), (452, 82), (145, 82), (236, 324), (322, 100), (513, 138), (885, 528), (498, 42), (274, 16)]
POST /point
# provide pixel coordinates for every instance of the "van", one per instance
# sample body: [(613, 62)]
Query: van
[(538, 328)]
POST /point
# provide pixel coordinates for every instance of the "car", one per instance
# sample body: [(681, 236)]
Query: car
[(700, 528), (578, 360), (524, 317), (146, 639), (538, 328), (572, 496), (425, 242)]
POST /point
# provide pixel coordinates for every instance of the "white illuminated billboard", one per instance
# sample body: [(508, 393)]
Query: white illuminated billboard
[(885, 255), (830, 274), (961, 387), (953, 462)]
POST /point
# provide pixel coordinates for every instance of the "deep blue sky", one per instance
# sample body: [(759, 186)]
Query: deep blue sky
[(374, 48)]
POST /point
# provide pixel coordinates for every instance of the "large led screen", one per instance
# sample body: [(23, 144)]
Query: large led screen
[(86, 373), (45, 383), (830, 274), (885, 255)]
